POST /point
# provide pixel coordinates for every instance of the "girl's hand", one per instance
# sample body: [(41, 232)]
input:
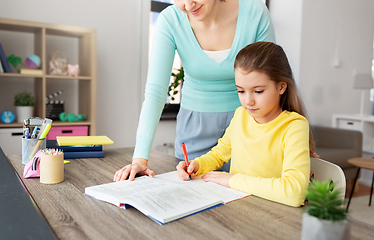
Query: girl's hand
[(138, 166), (183, 172), (222, 178)]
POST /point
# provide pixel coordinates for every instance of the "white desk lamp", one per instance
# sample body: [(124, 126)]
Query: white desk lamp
[(363, 81)]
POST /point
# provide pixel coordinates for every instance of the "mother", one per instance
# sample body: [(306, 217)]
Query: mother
[(207, 35)]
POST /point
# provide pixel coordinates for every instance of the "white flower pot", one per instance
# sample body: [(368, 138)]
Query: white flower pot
[(316, 229), (24, 112)]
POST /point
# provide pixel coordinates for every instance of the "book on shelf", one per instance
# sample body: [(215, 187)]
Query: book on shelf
[(4, 60), (31, 71), (76, 148), (165, 197), (1, 67)]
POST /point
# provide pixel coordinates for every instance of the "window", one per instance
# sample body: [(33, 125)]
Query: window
[(156, 8)]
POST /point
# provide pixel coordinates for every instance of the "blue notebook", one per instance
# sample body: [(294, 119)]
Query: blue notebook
[(4, 61), (86, 154), (78, 148)]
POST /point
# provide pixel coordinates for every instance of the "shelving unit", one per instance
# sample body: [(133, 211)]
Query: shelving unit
[(365, 124), (43, 38)]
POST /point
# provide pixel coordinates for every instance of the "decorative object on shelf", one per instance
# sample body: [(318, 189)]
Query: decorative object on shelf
[(71, 117), (73, 70), (172, 91), (7, 116), (15, 61), (363, 82), (54, 107), (4, 60), (324, 218), (32, 62), (24, 103), (58, 64)]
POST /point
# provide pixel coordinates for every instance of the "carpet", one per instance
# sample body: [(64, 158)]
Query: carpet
[(360, 210)]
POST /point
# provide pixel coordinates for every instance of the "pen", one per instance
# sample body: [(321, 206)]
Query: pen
[(27, 133), (185, 157), (34, 132)]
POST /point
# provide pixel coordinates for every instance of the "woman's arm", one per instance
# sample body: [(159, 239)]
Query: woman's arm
[(158, 78)]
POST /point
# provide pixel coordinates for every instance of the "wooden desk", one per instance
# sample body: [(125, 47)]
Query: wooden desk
[(72, 215)]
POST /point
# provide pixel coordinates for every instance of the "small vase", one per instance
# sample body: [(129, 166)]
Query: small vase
[(316, 229), (24, 112)]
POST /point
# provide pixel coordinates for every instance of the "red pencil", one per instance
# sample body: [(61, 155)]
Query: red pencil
[(185, 157)]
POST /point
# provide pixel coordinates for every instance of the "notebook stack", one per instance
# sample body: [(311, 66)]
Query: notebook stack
[(78, 151), (80, 146)]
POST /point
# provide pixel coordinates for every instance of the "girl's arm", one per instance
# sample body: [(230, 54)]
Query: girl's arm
[(217, 156), (290, 188)]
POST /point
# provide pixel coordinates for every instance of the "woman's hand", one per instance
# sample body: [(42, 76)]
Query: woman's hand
[(222, 178), (138, 166), (183, 171)]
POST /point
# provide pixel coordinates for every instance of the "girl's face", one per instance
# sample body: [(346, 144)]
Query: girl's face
[(198, 9), (259, 95)]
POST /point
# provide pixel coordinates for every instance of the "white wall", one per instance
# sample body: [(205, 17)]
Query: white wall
[(119, 25), (338, 31), (313, 34)]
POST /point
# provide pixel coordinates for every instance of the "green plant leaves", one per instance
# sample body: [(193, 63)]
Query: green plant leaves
[(324, 202), (172, 91), (24, 99)]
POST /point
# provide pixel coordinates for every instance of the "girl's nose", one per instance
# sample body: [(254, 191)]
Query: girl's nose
[(249, 101)]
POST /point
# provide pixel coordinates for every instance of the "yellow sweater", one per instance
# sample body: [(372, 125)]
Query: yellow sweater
[(268, 160)]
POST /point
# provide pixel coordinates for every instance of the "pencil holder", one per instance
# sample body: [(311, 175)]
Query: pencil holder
[(28, 148), (51, 167)]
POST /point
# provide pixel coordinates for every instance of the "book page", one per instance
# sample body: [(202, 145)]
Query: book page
[(161, 200), (224, 193)]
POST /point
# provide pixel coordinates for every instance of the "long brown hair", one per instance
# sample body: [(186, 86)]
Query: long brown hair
[(270, 59)]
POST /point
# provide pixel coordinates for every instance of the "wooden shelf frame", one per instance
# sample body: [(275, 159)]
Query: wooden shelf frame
[(87, 60)]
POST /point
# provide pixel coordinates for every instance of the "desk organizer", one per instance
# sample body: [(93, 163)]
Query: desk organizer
[(28, 148)]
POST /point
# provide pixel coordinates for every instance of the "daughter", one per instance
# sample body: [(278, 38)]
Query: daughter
[(268, 138)]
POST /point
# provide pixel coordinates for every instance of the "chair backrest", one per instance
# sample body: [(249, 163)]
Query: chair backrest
[(324, 170)]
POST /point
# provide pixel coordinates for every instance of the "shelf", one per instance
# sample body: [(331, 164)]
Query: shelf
[(18, 75), (78, 45)]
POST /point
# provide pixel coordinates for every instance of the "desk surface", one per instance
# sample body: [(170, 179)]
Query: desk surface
[(72, 215)]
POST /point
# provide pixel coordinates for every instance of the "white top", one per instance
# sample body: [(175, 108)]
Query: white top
[(218, 56)]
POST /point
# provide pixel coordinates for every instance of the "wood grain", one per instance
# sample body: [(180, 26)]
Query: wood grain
[(72, 215)]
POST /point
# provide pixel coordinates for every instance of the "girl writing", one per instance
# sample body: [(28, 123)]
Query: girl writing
[(268, 139)]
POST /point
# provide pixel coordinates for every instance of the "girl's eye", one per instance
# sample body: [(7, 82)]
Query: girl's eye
[(259, 91), (240, 91)]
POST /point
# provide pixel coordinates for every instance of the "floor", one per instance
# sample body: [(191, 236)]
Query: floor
[(361, 190)]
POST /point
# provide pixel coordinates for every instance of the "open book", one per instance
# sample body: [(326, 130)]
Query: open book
[(165, 197)]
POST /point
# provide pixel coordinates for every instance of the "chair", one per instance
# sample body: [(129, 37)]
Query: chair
[(322, 170), (338, 145)]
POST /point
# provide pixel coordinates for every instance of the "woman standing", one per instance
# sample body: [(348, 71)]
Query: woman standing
[(207, 34)]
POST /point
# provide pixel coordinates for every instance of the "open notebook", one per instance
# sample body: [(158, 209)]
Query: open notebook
[(165, 197)]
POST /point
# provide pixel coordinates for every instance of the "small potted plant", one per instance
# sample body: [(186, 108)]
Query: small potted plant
[(177, 81), (324, 216), (170, 110), (24, 103)]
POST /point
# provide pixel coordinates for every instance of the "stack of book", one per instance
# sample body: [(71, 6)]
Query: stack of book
[(78, 151)]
